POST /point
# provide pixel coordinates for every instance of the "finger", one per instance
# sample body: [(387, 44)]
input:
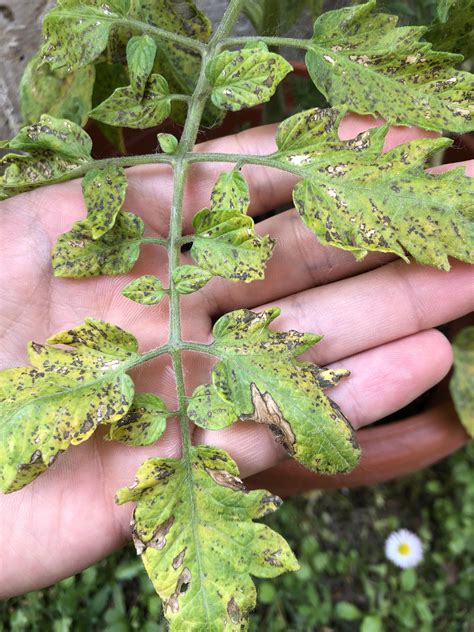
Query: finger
[(388, 452), (299, 262), (382, 381), (377, 307)]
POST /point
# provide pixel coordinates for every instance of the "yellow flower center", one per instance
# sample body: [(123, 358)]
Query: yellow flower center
[(404, 548)]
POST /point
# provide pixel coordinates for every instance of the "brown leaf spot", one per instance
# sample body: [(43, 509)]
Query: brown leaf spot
[(178, 560), (233, 611), (221, 477), (267, 412), (158, 540), (181, 587)]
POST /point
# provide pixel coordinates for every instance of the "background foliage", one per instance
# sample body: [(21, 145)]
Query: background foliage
[(345, 583)]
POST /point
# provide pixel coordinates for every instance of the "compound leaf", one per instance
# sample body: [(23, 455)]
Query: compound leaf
[(143, 424), (104, 193), (141, 51), (125, 109), (76, 254), (59, 94), (62, 397), (360, 60), (230, 192), (258, 379), (188, 279), (245, 77), (357, 198), (225, 244), (463, 378), (147, 290), (76, 32), (193, 525)]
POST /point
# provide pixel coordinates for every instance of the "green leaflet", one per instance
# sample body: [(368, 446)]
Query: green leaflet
[(147, 290), (76, 32), (230, 192), (273, 17), (77, 255), (461, 385), (104, 193), (109, 77), (141, 51), (259, 380), (246, 77), (454, 30), (143, 424), (193, 526), (61, 399), (225, 245), (188, 279), (125, 109), (66, 96), (43, 152), (356, 198), (361, 61), (168, 143)]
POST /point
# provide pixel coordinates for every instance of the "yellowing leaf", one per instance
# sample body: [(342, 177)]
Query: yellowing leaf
[(259, 380), (360, 61), (225, 245), (104, 193), (356, 198), (144, 422), (193, 526), (125, 109), (188, 279), (147, 290), (61, 399), (246, 77), (230, 192), (76, 254), (461, 385)]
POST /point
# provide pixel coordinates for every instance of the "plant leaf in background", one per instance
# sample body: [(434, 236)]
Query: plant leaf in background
[(144, 422), (273, 17), (361, 61), (461, 385), (61, 399), (76, 254), (259, 380), (43, 152), (454, 28), (357, 198), (104, 193), (59, 94), (193, 526), (246, 77)]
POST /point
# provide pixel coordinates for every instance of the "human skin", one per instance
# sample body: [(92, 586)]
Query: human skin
[(377, 317)]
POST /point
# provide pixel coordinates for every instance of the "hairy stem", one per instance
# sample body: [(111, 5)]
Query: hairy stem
[(271, 41), (183, 40)]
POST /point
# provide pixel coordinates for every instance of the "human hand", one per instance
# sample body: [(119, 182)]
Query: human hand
[(376, 316)]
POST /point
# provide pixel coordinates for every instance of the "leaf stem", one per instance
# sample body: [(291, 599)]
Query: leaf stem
[(183, 40), (271, 41), (271, 160)]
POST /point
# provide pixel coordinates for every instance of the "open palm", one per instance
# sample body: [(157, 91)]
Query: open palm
[(376, 317)]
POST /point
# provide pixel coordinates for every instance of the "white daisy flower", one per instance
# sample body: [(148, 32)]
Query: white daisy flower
[(404, 548)]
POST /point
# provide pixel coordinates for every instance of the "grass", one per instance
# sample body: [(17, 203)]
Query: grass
[(344, 583)]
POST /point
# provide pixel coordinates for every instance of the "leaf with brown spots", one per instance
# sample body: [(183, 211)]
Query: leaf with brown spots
[(194, 528), (357, 198), (230, 192), (226, 245), (76, 254), (146, 290), (144, 422), (104, 193), (361, 61), (188, 279), (62, 397), (260, 380), (461, 385), (244, 78), (141, 51), (76, 32), (42, 153)]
